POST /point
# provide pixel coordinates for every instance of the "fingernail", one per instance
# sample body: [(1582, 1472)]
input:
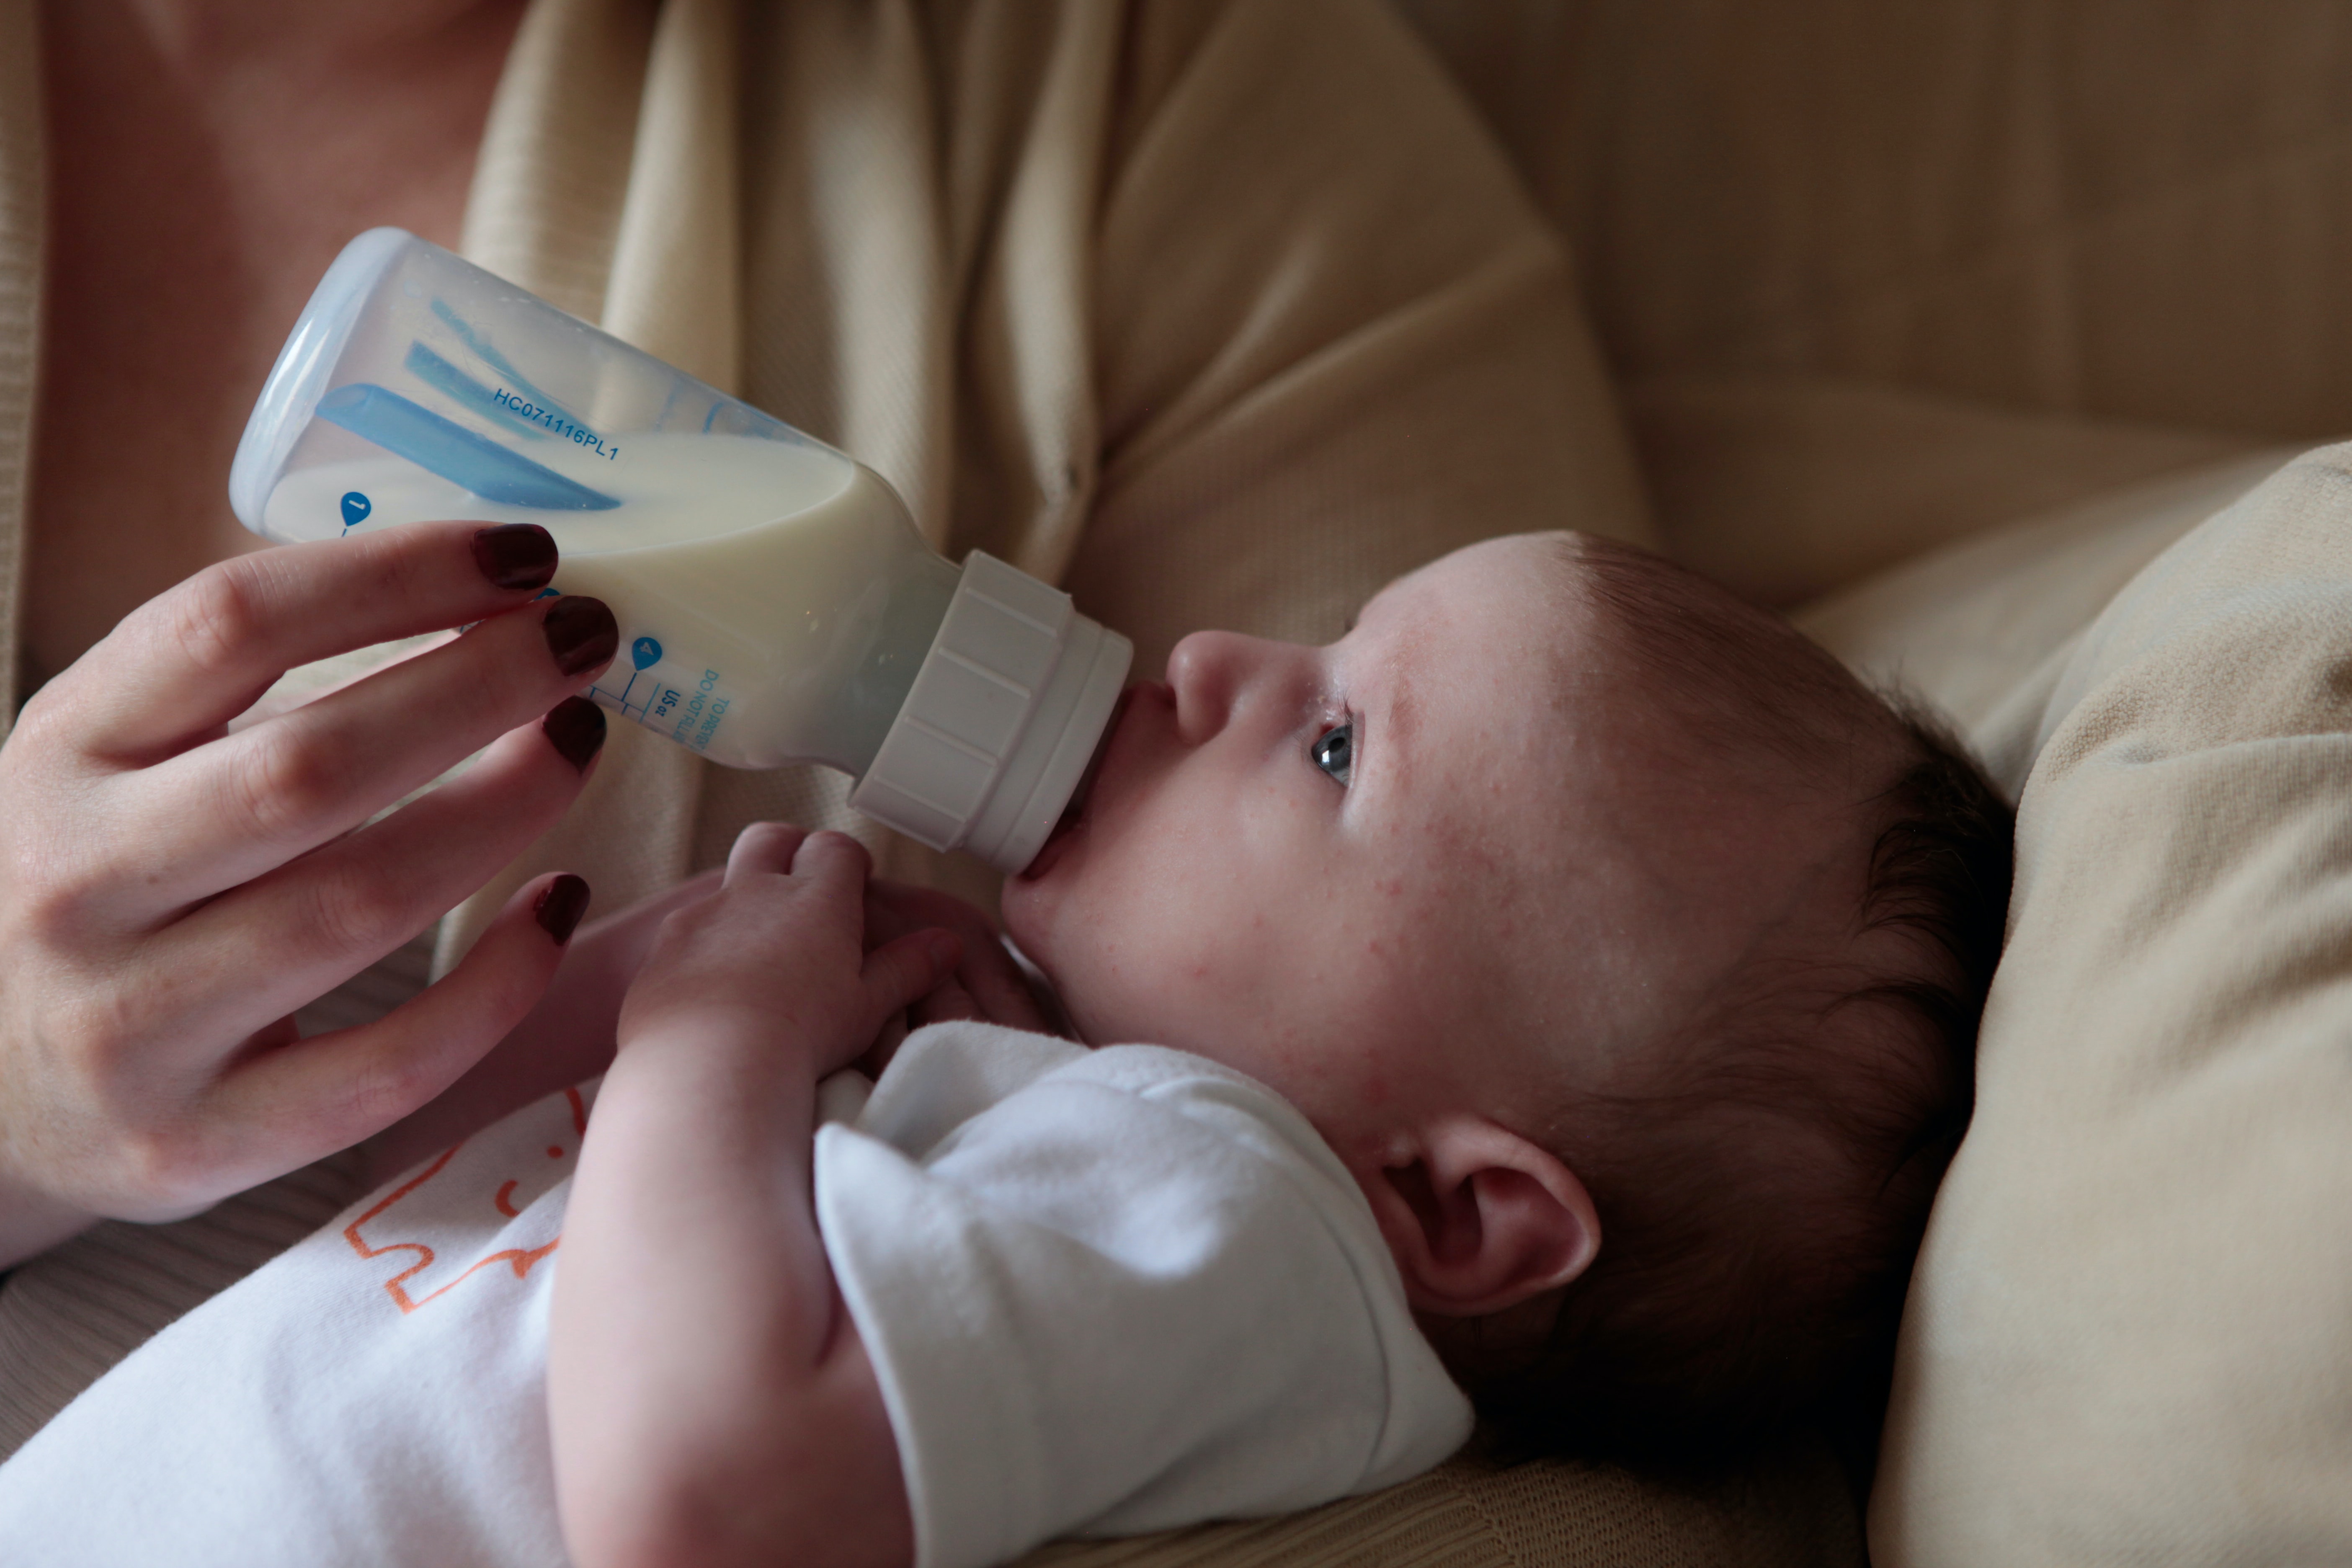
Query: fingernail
[(581, 633), (575, 727), (516, 554), (560, 908)]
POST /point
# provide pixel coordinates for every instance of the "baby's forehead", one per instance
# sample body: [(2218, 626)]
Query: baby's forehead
[(1515, 648), (1507, 651), (1635, 765)]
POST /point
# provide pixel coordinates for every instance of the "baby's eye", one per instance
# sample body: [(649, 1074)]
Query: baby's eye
[(1334, 751)]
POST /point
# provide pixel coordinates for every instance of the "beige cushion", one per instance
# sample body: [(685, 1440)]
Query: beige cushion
[(1784, 487), (1981, 628), (2130, 1334)]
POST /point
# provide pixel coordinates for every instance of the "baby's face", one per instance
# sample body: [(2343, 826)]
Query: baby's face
[(1372, 875)]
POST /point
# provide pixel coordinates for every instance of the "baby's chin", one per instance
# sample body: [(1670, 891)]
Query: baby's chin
[(1017, 910), (1021, 910), (1052, 894), (1026, 923)]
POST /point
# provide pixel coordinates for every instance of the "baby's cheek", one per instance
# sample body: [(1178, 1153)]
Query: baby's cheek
[(1138, 980)]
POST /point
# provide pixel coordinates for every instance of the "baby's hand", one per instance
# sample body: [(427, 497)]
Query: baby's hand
[(708, 1397), (776, 961)]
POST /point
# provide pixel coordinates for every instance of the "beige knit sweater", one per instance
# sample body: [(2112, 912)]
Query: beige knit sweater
[(1215, 314)]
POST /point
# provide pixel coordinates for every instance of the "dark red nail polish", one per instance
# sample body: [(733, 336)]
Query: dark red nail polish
[(516, 554), (560, 908), (575, 727), (581, 633)]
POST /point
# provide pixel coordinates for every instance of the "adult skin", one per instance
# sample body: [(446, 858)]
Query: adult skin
[(168, 889)]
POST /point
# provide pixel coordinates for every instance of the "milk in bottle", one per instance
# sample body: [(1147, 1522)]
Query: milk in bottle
[(776, 603)]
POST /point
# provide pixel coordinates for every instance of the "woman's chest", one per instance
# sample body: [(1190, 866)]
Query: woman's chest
[(143, 368), (186, 220)]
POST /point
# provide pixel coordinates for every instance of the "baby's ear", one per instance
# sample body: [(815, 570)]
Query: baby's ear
[(1480, 1218)]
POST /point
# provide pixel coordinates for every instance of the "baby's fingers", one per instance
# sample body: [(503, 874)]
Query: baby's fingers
[(764, 849), (835, 862), (988, 984)]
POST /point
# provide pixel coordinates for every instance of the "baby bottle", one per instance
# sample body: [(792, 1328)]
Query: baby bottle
[(775, 602)]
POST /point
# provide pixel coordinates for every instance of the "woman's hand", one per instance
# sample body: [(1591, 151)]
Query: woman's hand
[(170, 891)]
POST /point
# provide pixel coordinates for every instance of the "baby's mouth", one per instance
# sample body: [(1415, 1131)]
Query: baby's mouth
[(1073, 815)]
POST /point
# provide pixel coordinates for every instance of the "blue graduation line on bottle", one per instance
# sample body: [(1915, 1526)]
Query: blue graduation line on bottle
[(644, 654), (439, 446), (463, 390), (489, 354), (742, 419), (669, 405)]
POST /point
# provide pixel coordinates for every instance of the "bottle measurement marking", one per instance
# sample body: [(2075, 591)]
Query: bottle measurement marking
[(644, 654), (648, 710), (467, 458)]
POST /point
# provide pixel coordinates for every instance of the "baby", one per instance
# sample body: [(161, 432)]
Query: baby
[(1625, 951), (1562, 987)]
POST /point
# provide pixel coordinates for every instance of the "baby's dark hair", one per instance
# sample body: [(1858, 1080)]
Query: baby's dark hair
[(1762, 1197)]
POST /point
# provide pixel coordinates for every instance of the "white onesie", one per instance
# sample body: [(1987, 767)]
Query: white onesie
[(1107, 1291)]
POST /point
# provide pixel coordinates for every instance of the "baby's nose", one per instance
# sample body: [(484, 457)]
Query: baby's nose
[(1207, 671)]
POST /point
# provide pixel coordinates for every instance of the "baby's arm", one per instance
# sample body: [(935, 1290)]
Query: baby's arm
[(711, 1399)]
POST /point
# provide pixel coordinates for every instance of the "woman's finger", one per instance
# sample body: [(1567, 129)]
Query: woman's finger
[(225, 813), (947, 1004), (282, 1108), (305, 927), (989, 980), (566, 1038), (764, 849), (191, 659), (902, 973), (999, 990), (899, 908)]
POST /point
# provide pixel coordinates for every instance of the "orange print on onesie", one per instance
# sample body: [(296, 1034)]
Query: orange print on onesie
[(475, 1209)]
